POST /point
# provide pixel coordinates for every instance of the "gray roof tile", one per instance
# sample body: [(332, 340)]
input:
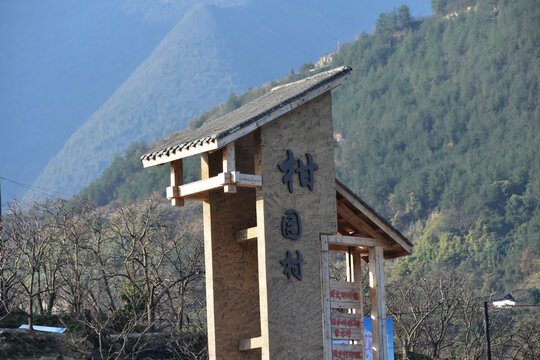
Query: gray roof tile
[(256, 109)]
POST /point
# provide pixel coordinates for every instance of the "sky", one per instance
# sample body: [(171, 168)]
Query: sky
[(60, 60)]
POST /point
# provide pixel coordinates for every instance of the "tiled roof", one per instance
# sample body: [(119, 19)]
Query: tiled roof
[(215, 129)]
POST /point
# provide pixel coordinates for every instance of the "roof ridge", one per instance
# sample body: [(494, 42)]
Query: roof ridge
[(215, 129)]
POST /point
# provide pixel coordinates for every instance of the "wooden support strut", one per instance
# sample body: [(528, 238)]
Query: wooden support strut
[(229, 165), (177, 179)]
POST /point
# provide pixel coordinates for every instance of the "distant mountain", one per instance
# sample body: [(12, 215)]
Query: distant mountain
[(213, 51)]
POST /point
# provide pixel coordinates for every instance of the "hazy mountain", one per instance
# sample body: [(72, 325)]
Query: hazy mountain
[(213, 51)]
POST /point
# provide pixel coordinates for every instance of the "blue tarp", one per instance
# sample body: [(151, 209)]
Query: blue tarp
[(368, 343), (45, 328)]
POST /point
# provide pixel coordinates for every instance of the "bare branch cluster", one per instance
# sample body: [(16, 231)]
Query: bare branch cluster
[(438, 315), (124, 280)]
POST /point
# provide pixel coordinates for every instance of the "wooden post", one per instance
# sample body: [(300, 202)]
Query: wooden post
[(357, 278), (378, 306), (229, 165), (327, 316), (261, 251), (177, 179), (209, 264)]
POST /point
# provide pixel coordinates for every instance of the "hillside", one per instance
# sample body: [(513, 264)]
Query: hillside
[(213, 51), (439, 132)]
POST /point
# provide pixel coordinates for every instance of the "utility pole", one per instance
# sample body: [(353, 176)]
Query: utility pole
[(486, 315)]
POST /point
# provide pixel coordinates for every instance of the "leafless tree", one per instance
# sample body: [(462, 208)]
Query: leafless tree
[(27, 231)]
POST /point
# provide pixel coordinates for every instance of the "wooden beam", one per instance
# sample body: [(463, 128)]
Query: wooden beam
[(246, 234), (177, 179), (246, 180), (212, 183), (215, 182), (357, 241), (355, 221), (229, 165), (249, 344), (378, 304)]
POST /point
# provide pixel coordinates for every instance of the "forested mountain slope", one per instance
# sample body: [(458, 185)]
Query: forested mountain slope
[(441, 132), (438, 129)]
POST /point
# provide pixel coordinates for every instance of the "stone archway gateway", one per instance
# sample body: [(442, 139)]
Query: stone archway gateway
[(273, 211)]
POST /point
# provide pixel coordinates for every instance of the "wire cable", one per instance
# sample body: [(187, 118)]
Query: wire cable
[(38, 189)]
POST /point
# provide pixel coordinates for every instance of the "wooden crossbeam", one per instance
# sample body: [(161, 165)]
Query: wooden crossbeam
[(197, 189), (212, 183), (357, 241), (249, 344), (246, 180), (246, 234)]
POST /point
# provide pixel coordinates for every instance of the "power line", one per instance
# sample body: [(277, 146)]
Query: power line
[(38, 189)]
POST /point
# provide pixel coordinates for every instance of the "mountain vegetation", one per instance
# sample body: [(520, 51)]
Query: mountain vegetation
[(438, 130)]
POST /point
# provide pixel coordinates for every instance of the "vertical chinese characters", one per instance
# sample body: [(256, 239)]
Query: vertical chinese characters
[(291, 223)]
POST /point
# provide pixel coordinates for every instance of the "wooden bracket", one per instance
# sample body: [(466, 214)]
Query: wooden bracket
[(249, 344), (246, 234), (177, 179)]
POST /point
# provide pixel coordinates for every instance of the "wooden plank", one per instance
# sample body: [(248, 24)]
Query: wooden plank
[(341, 333), (246, 234), (177, 179), (357, 241), (347, 326), (355, 221), (374, 218), (346, 351), (229, 165), (325, 273), (281, 111), (378, 305), (344, 295), (249, 344), (180, 154)]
